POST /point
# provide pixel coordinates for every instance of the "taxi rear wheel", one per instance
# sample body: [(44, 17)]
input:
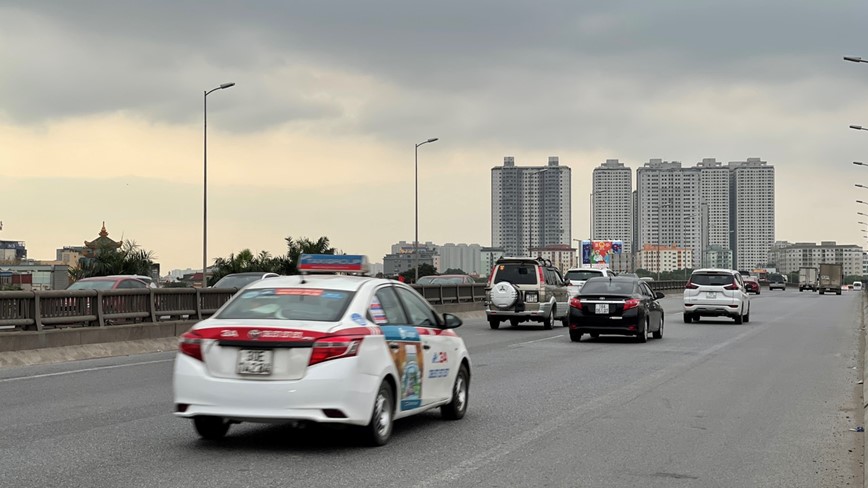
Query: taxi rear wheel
[(210, 428), (494, 323), (379, 429), (456, 409)]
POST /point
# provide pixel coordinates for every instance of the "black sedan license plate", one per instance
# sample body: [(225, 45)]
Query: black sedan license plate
[(255, 361)]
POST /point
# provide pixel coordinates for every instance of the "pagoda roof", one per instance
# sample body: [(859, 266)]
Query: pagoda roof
[(103, 241)]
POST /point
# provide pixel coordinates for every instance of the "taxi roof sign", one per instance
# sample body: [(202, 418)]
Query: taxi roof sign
[(332, 263)]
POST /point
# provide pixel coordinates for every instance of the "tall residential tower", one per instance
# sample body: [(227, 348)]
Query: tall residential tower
[(530, 206), (611, 203)]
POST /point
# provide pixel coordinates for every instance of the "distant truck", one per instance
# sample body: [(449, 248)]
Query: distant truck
[(808, 278), (831, 278)]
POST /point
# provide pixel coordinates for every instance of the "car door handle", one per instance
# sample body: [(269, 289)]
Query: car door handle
[(426, 347)]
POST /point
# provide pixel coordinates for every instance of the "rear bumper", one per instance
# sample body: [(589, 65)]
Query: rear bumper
[(532, 311), (713, 310), (605, 324)]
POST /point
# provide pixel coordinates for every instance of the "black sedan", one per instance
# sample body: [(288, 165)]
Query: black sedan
[(616, 305)]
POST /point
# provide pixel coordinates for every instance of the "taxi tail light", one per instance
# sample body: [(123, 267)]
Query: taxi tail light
[(190, 344), (731, 286), (631, 303), (575, 302), (542, 278), (334, 347)]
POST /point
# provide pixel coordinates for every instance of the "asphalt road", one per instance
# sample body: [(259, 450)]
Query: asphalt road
[(769, 403)]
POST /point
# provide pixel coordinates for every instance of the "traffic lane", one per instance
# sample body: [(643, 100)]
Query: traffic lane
[(519, 395), (770, 407)]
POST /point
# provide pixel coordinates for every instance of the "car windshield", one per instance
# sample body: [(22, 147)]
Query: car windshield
[(92, 285), (517, 274), (711, 279), (237, 281), (582, 274), (608, 287), (447, 281), (313, 304)]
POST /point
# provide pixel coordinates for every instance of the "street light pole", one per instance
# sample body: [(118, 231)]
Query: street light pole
[(416, 240), (205, 181)]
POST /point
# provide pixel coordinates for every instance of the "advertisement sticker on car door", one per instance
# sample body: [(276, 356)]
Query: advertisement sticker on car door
[(405, 345)]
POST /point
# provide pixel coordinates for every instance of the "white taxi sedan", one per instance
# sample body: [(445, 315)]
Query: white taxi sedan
[(323, 348)]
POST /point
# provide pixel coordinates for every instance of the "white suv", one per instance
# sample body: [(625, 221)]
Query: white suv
[(716, 293), (578, 276)]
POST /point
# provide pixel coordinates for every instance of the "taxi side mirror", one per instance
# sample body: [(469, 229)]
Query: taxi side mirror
[(658, 295), (451, 321)]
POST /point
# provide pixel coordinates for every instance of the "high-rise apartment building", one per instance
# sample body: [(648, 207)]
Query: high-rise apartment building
[(611, 203), (752, 212), (530, 206), (668, 207), (714, 213)]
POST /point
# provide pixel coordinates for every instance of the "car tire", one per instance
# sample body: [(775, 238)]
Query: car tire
[(504, 295), (738, 319), (547, 322), (494, 323), (457, 407), (575, 336), (695, 318), (379, 428), (566, 320), (659, 333), (513, 322), (642, 335), (688, 318), (211, 428), (747, 317)]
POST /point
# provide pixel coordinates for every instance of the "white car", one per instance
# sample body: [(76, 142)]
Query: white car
[(576, 277), (857, 286), (715, 292), (324, 348)]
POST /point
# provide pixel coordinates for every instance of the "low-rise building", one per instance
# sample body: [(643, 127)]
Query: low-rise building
[(660, 259), (787, 257), (562, 256)]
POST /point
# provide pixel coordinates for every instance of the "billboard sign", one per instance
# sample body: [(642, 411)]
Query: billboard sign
[(598, 254)]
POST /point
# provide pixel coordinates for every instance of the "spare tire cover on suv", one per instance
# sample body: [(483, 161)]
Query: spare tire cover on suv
[(504, 294)]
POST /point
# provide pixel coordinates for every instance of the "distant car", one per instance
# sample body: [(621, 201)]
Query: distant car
[(117, 282), (777, 281), (453, 279), (712, 292), (240, 280), (751, 284), (147, 279), (578, 276), (857, 286), (618, 305), (524, 289)]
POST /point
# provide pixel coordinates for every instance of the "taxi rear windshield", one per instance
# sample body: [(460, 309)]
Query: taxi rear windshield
[(313, 304), (517, 274)]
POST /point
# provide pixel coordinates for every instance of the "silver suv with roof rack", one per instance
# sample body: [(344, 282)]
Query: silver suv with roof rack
[(526, 290)]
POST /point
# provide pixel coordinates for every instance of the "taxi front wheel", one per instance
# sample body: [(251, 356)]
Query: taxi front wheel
[(379, 429), (211, 428), (456, 409)]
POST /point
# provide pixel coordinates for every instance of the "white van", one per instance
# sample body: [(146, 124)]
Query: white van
[(857, 286)]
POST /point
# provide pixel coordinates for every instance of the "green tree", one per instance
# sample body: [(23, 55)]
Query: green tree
[(454, 271), (129, 259), (425, 269), (245, 261), (297, 247)]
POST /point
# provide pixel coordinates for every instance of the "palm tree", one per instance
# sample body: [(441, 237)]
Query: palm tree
[(245, 262), (129, 259), (295, 248)]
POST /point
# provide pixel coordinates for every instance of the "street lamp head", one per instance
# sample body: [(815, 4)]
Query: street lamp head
[(433, 139), (860, 186), (860, 201), (857, 127), (226, 85), (859, 163), (854, 59)]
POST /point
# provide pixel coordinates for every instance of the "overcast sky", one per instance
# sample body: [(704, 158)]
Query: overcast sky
[(101, 113)]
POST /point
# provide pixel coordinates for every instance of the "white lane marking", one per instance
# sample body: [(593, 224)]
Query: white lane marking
[(61, 373), (621, 396), (537, 340)]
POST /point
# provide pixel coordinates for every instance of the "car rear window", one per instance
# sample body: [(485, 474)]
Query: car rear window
[(711, 279), (515, 273), (582, 275), (608, 287), (313, 304), (776, 278)]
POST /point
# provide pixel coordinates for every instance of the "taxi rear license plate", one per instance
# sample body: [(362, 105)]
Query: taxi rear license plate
[(255, 362), (711, 294), (601, 308)]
